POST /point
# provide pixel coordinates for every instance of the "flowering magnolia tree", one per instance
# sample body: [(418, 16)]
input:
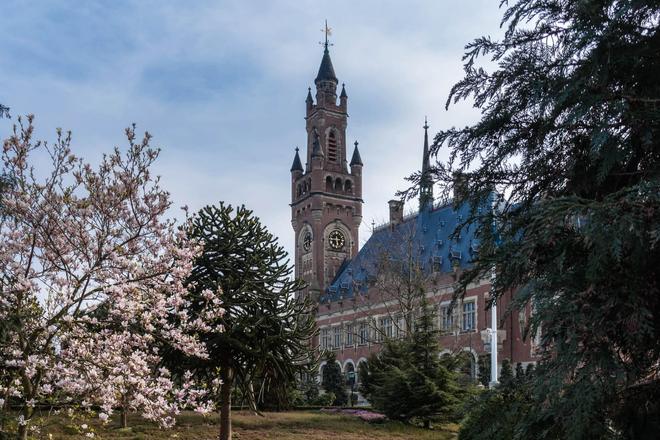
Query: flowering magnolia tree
[(91, 282)]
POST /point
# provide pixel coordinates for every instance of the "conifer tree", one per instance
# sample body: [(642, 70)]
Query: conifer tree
[(333, 381), (263, 337), (407, 380), (570, 137)]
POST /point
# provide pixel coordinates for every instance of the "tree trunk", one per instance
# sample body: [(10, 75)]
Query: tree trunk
[(23, 429), (124, 417), (427, 424), (225, 407), (22, 432)]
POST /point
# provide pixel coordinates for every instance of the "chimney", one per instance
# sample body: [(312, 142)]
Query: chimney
[(460, 188), (396, 212)]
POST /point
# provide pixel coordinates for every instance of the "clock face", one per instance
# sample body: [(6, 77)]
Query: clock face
[(337, 240), (307, 241)]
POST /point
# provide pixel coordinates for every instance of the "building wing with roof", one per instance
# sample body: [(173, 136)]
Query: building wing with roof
[(356, 308)]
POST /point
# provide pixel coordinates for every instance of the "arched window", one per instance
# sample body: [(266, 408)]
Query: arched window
[(338, 185), (348, 187), (328, 183), (467, 365), (332, 147), (351, 376)]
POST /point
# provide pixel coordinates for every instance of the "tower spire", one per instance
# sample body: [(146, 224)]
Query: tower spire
[(297, 164), (425, 181), (356, 159), (326, 71)]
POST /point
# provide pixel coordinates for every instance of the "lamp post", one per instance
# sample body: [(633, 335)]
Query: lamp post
[(493, 344), (493, 316)]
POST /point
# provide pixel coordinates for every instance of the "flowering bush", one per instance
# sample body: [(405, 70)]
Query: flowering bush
[(91, 275)]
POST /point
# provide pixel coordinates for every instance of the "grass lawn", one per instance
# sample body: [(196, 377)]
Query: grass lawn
[(298, 425)]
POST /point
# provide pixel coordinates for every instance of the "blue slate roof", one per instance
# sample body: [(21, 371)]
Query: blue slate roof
[(426, 237)]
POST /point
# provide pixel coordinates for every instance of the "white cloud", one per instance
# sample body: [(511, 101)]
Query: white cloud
[(221, 85)]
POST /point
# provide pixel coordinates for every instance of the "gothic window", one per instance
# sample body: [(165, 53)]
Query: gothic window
[(328, 183), (447, 318), (469, 318), (363, 335), (326, 341), (338, 185), (332, 147), (349, 335), (386, 329), (307, 241), (337, 337), (348, 187)]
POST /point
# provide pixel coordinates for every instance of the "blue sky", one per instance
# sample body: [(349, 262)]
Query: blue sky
[(221, 85)]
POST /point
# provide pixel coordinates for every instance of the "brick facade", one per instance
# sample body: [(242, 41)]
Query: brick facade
[(326, 211)]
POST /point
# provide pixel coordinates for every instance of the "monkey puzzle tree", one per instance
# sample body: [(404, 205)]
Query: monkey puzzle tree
[(267, 332), (570, 137)]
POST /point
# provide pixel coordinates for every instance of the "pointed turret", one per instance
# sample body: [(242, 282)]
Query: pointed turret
[(356, 159), (326, 80), (326, 71), (297, 164), (309, 101), (425, 180), (343, 99)]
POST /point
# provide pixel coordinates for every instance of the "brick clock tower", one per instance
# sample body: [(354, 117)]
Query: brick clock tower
[(326, 194)]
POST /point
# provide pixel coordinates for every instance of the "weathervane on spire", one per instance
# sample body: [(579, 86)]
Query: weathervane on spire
[(426, 124), (327, 31)]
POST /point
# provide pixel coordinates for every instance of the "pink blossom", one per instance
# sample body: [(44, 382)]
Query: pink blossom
[(97, 273)]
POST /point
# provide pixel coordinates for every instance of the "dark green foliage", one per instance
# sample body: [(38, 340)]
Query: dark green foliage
[(310, 390), (497, 414), (407, 381), (484, 369), (529, 370), (325, 399), (333, 380), (266, 338), (570, 134), (506, 373), (281, 398)]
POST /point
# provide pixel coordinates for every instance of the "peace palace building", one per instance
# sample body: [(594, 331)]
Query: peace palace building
[(368, 294)]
